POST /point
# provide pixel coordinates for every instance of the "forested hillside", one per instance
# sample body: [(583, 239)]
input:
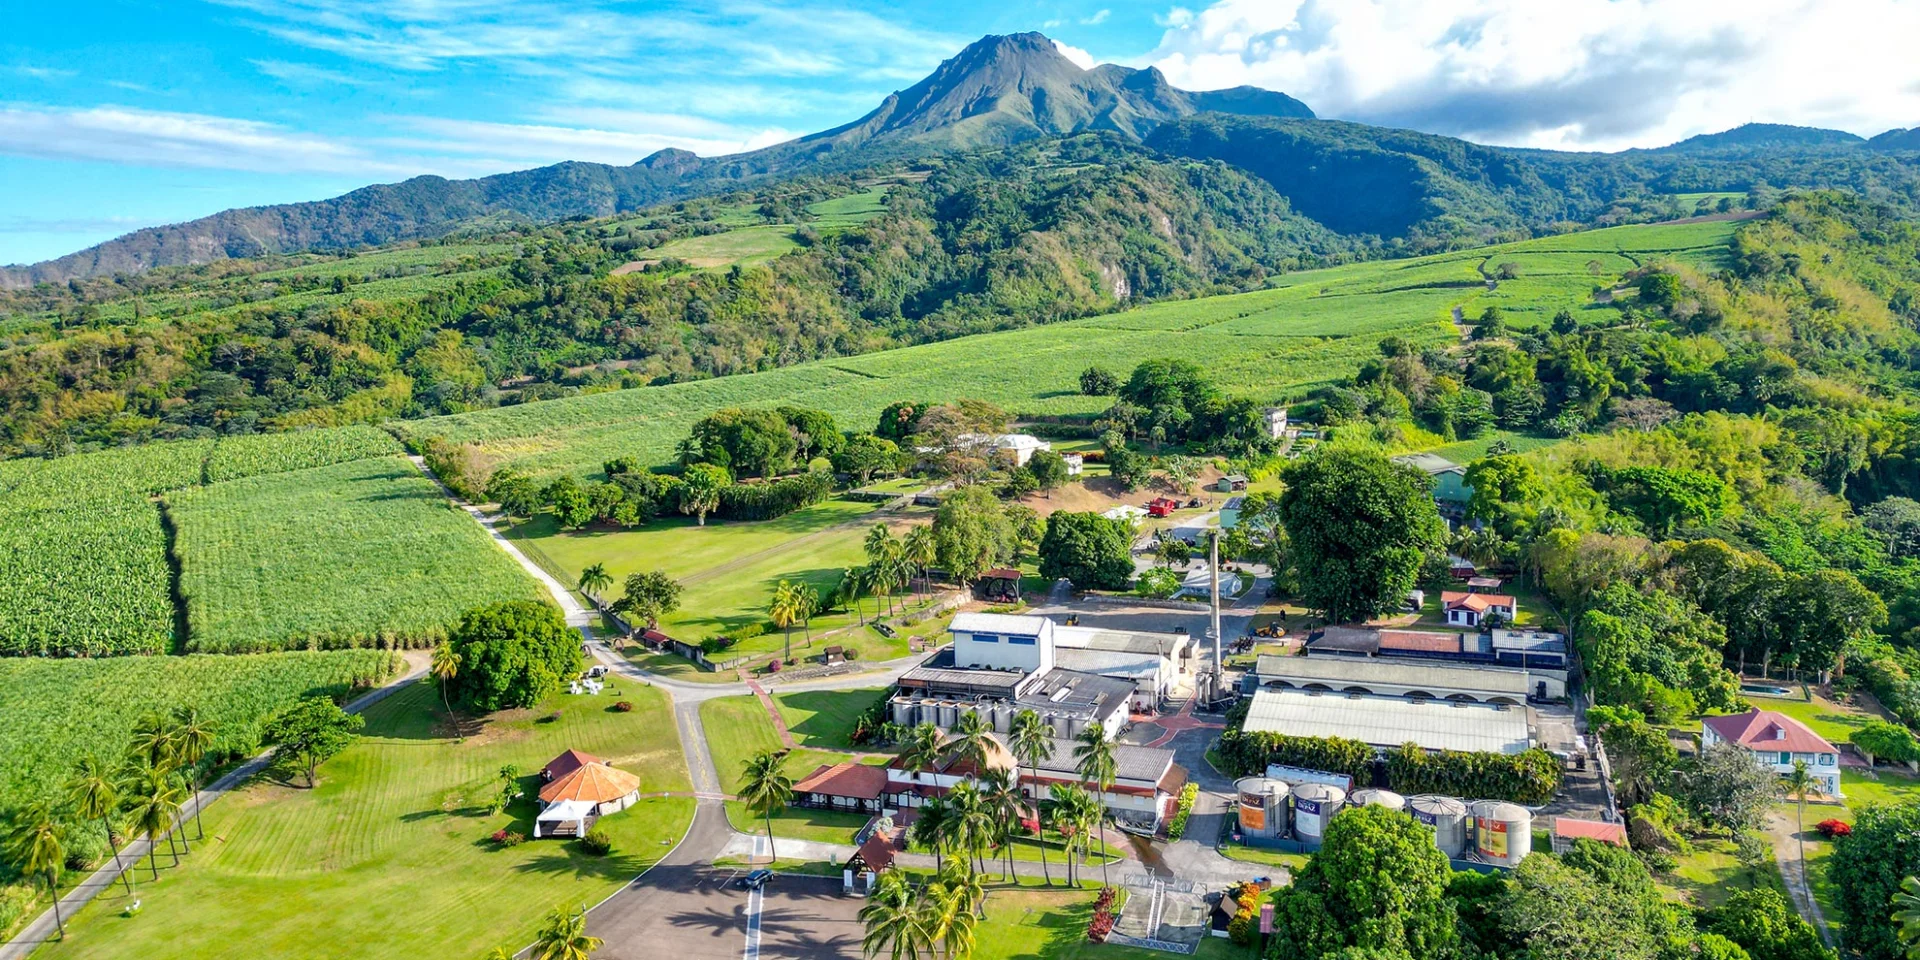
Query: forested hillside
[(1008, 238)]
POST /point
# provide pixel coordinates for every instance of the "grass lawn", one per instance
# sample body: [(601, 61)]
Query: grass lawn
[(728, 570), (1291, 862), (824, 719), (389, 857), (896, 485), (1835, 721), (1052, 925), (737, 728), (1710, 874), (1465, 452), (1885, 786), (746, 246)]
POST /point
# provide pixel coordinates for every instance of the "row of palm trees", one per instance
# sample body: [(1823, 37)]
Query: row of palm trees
[(144, 795), (893, 562)]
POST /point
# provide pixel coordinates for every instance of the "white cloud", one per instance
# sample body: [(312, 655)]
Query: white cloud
[(153, 138), (1100, 16), (1590, 74), (1080, 57), (594, 134)]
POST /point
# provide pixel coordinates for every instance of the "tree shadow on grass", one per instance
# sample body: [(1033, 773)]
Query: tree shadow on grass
[(834, 713)]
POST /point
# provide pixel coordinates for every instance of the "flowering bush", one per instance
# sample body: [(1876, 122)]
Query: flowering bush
[(508, 838), (1102, 922), (1834, 828), (623, 706), (1246, 899)]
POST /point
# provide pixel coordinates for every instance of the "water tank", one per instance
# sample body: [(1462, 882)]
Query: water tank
[(1074, 728), (947, 714), (1502, 832), (1262, 806), (1379, 798), (1314, 804), (1448, 819), (1003, 717), (903, 712), (1060, 724)]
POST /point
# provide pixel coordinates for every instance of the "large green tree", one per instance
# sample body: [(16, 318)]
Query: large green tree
[(752, 442), (513, 654), (1359, 526), (1092, 551), (1377, 882), (312, 731), (972, 532), (1865, 873), (1763, 923)]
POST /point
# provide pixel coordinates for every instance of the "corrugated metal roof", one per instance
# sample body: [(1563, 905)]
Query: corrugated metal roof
[(1391, 721), (1342, 672), (998, 623)]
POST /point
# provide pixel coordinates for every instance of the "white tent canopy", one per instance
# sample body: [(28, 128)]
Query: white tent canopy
[(575, 812)]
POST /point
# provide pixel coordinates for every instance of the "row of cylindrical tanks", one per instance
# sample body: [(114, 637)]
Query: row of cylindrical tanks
[(944, 712), (1493, 831)]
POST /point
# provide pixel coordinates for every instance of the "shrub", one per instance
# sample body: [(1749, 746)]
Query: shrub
[(623, 706), (1530, 777), (1102, 922), (508, 838), (1246, 897), (15, 900), (1834, 828), (1178, 827), (773, 666), (597, 842)]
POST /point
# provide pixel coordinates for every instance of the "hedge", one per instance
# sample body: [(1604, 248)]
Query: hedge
[(1248, 754), (765, 501), (1530, 777)]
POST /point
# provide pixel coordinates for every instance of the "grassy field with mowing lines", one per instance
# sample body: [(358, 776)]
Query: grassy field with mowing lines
[(388, 859), (1312, 328), (728, 569), (350, 554), (737, 728), (825, 718)]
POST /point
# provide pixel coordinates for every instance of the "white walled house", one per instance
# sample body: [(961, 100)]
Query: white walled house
[(1776, 741)]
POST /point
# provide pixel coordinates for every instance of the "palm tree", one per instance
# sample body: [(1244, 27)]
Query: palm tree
[(498, 953), (784, 609), (36, 851), (1031, 742), (1797, 785), (809, 600), (594, 579), (972, 741), (949, 904), (920, 749), (1062, 812), (152, 799), (192, 738), (445, 667), (1096, 765), (764, 788), (1004, 807), (1907, 916), (894, 923), (95, 796), (152, 741), (922, 550), (973, 823), (934, 829), (564, 937)]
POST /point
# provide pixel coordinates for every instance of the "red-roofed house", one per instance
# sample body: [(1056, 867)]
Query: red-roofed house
[(1567, 829), (566, 763), (842, 786), (1468, 609), (1776, 741)]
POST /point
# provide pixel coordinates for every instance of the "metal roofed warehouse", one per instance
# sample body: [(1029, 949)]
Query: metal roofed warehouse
[(1391, 721)]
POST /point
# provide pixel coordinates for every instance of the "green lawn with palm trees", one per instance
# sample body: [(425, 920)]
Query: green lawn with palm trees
[(389, 855), (739, 730), (1052, 925)]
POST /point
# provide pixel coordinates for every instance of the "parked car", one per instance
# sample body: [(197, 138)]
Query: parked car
[(754, 880)]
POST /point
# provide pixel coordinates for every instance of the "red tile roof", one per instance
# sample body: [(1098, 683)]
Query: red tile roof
[(1436, 642), (1477, 602), (567, 763), (1766, 730), (855, 780), (1572, 829), (877, 853)]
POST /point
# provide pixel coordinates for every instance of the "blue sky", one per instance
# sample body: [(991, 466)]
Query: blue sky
[(117, 114)]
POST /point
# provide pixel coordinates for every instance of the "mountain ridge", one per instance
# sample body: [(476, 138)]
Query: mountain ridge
[(997, 91)]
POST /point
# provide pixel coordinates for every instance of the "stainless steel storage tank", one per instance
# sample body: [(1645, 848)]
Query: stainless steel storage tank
[(1314, 804), (1371, 797), (1502, 832), (1262, 805), (1448, 818)]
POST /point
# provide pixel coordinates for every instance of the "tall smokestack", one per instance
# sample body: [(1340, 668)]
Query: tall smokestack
[(1213, 569)]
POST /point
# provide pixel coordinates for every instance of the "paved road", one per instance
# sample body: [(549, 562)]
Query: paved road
[(45, 927)]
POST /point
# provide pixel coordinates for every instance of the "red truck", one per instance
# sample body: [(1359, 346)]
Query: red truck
[(1162, 507)]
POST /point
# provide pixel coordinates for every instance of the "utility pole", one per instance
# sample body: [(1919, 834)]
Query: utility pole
[(1213, 571)]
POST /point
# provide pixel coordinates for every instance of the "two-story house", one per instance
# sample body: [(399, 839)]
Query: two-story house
[(1776, 741)]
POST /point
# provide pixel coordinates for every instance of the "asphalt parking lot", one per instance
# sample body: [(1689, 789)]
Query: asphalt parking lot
[(696, 913)]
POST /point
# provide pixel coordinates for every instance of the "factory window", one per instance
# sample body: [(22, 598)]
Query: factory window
[(1026, 641), (986, 638)]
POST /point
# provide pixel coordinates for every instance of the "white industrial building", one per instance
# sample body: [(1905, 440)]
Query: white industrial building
[(1417, 680), (1388, 722)]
